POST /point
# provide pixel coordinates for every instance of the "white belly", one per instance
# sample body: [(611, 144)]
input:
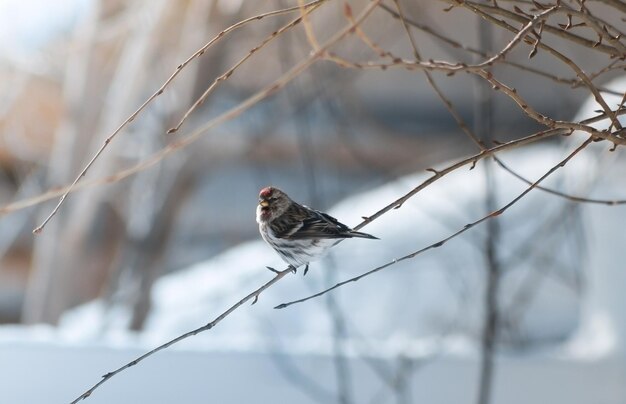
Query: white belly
[(297, 252)]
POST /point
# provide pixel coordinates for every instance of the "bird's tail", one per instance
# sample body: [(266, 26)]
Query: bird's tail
[(362, 235)]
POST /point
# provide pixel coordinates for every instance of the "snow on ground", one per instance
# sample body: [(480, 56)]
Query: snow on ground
[(53, 373)]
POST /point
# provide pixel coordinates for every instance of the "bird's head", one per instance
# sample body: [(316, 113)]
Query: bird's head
[(272, 203)]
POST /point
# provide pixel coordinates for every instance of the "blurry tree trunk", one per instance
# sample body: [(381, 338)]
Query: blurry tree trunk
[(74, 278), (484, 128), (148, 246), (65, 271), (48, 256), (148, 251)]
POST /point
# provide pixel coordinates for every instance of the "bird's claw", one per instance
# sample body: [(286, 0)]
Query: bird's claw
[(272, 269), (256, 299), (293, 269), (306, 269)]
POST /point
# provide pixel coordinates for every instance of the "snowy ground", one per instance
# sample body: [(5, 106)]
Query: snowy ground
[(58, 371)]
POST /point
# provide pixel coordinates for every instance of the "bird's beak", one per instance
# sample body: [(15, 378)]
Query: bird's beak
[(264, 203)]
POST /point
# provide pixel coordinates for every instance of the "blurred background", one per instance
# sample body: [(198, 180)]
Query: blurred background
[(130, 261)]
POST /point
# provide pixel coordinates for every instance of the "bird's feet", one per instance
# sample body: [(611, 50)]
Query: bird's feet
[(291, 267), (273, 270), (306, 269)]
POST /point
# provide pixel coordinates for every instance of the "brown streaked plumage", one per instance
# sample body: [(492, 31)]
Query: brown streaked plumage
[(297, 233)]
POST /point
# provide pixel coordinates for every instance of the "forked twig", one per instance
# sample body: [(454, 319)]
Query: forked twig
[(443, 241), (305, 11), (279, 275), (465, 128), (158, 92)]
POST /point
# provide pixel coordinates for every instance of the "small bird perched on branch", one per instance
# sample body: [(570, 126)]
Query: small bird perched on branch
[(296, 232)]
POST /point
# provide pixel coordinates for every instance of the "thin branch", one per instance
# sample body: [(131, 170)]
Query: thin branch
[(574, 83), (614, 65), (443, 241), (537, 43), (522, 19), (229, 72), (478, 69), (590, 20), (573, 198), (454, 67), (618, 137), (132, 117), (308, 28), (155, 158), (279, 275), (465, 128)]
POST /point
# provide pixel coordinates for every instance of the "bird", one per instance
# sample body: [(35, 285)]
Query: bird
[(296, 232)]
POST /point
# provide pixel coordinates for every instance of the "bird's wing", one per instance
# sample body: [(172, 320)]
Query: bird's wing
[(316, 225)]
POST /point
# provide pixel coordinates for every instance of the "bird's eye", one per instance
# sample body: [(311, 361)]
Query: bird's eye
[(273, 199)]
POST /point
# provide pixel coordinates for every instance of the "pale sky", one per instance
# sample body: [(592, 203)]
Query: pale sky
[(26, 25)]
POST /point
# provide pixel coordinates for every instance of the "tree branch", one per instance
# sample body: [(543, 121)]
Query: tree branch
[(279, 275), (132, 116), (445, 240)]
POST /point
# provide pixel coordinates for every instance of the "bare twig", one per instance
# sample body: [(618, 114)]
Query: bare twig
[(443, 241), (573, 198), (616, 137), (523, 19), (453, 67), (590, 20), (308, 28), (460, 121), (581, 75), (480, 10), (231, 70), (254, 295), (479, 69), (155, 158), (132, 117), (573, 82)]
